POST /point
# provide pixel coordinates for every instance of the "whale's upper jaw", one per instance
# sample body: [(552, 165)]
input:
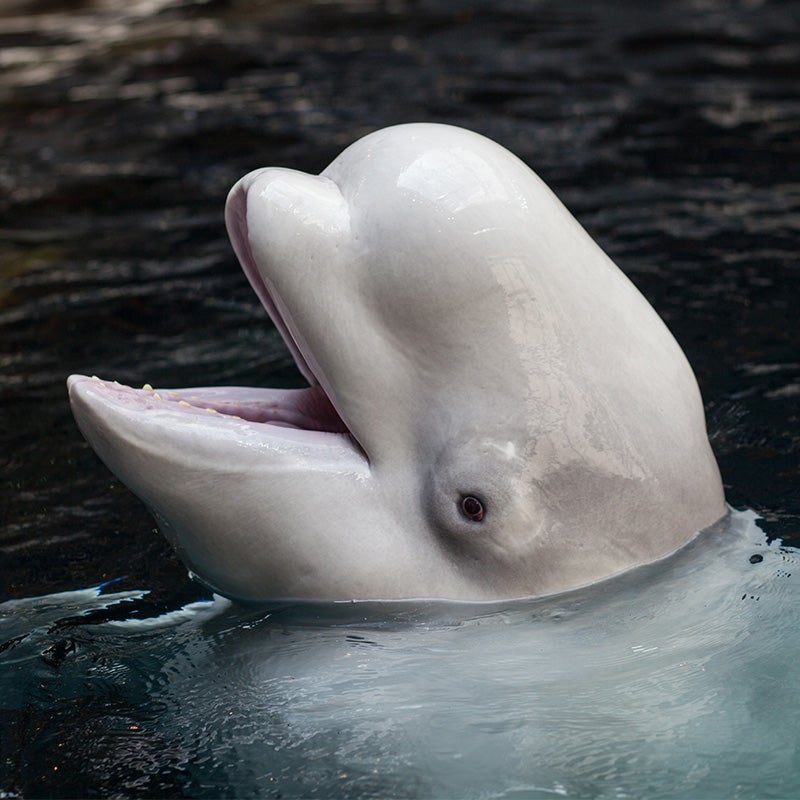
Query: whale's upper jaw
[(236, 222), (262, 281)]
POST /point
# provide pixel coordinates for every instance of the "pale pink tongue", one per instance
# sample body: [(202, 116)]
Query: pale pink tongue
[(307, 409)]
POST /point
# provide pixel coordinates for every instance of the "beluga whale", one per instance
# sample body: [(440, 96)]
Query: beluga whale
[(494, 411)]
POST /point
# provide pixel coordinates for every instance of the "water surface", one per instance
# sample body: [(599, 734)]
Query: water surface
[(675, 680)]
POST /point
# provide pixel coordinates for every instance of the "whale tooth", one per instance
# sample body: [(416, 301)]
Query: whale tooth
[(95, 378), (210, 410), (173, 394), (147, 387), (184, 403), (157, 396)]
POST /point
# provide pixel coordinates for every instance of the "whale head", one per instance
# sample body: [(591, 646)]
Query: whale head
[(493, 409)]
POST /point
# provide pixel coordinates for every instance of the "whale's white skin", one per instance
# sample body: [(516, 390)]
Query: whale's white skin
[(474, 342)]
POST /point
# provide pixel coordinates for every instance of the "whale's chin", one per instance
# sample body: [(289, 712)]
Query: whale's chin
[(237, 225)]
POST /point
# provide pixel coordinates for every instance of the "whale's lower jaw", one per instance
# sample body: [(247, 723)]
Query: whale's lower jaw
[(235, 494)]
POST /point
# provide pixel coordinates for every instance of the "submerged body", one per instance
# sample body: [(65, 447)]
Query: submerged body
[(494, 410)]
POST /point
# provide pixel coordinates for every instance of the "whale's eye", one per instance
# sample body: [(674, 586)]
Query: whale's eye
[(472, 508)]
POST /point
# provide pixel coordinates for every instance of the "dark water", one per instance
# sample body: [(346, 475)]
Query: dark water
[(671, 131)]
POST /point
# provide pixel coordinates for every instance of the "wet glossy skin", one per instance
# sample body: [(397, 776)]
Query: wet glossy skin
[(468, 342)]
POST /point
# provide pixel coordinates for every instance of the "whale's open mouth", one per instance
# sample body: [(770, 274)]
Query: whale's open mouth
[(302, 409), (309, 410)]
